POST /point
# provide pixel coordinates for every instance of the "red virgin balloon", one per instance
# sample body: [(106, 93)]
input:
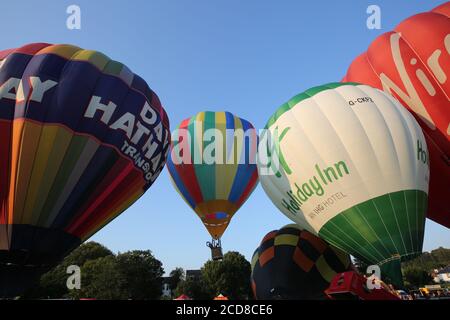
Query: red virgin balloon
[(413, 64)]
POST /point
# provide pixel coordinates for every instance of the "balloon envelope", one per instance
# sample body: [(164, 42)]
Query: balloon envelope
[(413, 64), (81, 138), (348, 163), (292, 263), (212, 164)]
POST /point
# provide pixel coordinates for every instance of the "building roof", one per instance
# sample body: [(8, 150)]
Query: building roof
[(193, 273)]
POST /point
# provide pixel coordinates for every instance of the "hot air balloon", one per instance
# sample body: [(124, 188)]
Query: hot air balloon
[(212, 164), (413, 64), (348, 163), (292, 263), (81, 138)]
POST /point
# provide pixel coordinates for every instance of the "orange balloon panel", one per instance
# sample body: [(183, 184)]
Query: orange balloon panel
[(413, 64), (216, 225)]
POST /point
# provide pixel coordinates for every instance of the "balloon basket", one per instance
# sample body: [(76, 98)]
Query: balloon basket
[(216, 249)]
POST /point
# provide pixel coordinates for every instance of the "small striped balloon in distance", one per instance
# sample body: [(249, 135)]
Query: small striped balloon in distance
[(292, 263), (413, 64), (350, 164), (214, 188), (81, 138)]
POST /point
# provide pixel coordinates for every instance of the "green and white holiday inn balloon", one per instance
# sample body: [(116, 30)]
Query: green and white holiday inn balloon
[(350, 164)]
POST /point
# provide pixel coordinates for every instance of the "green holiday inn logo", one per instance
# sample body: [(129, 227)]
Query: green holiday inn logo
[(302, 191), (279, 158), (314, 186)]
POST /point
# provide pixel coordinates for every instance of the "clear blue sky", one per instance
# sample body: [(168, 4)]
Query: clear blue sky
[(247, 57)]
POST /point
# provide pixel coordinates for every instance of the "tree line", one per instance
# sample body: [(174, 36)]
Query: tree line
[(138, 274)]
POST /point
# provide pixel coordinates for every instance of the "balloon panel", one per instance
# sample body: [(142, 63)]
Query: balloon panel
[(82, 137), (353, 169), (214, 189), (292, 263)]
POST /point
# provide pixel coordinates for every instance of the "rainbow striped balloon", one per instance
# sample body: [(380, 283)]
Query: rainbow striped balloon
[(81, 138), (212, 164)]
